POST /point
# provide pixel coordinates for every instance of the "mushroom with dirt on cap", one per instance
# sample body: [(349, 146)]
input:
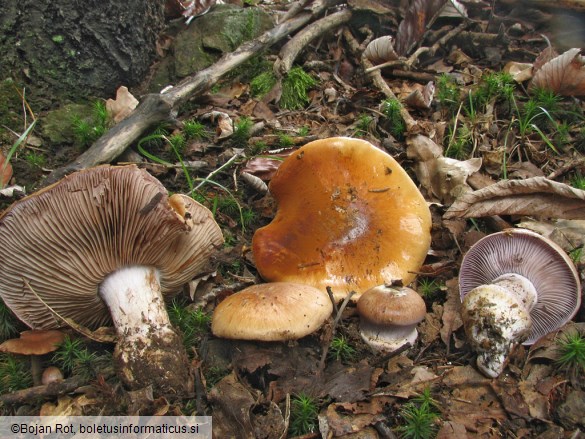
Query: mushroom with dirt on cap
[(516, 286), (349, 217), (35, 344), (389, 315), (276, 311), (106, 245)]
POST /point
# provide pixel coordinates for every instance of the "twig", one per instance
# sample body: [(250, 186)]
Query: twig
[(338, 314), (218, 170), (51, 390)]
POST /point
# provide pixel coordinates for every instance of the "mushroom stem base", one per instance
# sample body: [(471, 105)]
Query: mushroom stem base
[(149, 351)]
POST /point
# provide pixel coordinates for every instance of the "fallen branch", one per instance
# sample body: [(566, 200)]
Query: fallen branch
[(291, 50), (157, 108), (47, 391)]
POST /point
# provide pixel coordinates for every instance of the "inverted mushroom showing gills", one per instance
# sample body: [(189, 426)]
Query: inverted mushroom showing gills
[(104, 246), (275, 311), (516, 286), (349, 217)]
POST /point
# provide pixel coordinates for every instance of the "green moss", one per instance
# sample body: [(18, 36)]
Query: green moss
[(295, 87)]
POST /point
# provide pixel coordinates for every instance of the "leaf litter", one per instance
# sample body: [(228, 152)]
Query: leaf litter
[(365, 394)]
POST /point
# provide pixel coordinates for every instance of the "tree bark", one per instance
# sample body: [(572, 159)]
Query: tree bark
[(73, 49)]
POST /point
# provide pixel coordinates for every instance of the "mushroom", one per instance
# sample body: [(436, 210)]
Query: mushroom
[(516, 286), (275, 311), (103, 246), (35, 344), (389, 316), (349, 217), (51, 374)]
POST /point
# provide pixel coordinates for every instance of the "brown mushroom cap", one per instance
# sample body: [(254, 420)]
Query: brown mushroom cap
[(65, 239), (34, 342), (389, 316), (348, 217), (272, 312), (387, 305), (538, 259)]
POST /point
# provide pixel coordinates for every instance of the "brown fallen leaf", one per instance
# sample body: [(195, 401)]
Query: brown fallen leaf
[(519, 71), (381, 50), (419, 16), (421, 99), (537, 197), (5, 171), (563, 75), (122, 106)]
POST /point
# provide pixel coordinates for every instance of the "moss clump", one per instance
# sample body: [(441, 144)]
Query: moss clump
[(295, 89)]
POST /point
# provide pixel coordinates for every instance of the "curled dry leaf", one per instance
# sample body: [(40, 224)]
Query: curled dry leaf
[(537, 197), (563, 75), (421, 99), (519, 71), (443, 177), (225, 125), (254, 182), (122, 106), (419, 16), (381, 50), (196, 8), (5, 171)]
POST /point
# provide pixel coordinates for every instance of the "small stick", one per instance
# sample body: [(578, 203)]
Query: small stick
[(338, 313)]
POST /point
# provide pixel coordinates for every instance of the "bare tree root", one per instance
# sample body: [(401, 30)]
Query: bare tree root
[(301, 40), (157, 108)]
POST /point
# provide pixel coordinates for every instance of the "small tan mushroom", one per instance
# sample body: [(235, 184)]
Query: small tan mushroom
[(389, 316), (275, 311), (51, 374), (35, 344), (349, 217)]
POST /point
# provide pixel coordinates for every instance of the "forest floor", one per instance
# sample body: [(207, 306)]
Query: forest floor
[(491, 127)]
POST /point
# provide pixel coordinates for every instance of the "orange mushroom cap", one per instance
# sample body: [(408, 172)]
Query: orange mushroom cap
[(348, 217)]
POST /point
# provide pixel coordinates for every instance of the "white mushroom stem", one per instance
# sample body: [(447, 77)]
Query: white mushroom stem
[(496, 317), (135, 301), (148, 347)]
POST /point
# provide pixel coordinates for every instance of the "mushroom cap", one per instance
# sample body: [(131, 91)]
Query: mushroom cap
[(389, 305), (65, 239), (538, 259), (389, 315), (34, 342), (272, 312), (348, 217)]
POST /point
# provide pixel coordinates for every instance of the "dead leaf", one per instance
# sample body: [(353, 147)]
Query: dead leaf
[(537, 197), (444, 177), (421, 99), (419, 16), (563, 75), (5, 170), (543, 57), (195, 8), (232, 403), (381, 50), (65, 406), (122, 106), (451, 317), (519, 71), (345, 418)]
